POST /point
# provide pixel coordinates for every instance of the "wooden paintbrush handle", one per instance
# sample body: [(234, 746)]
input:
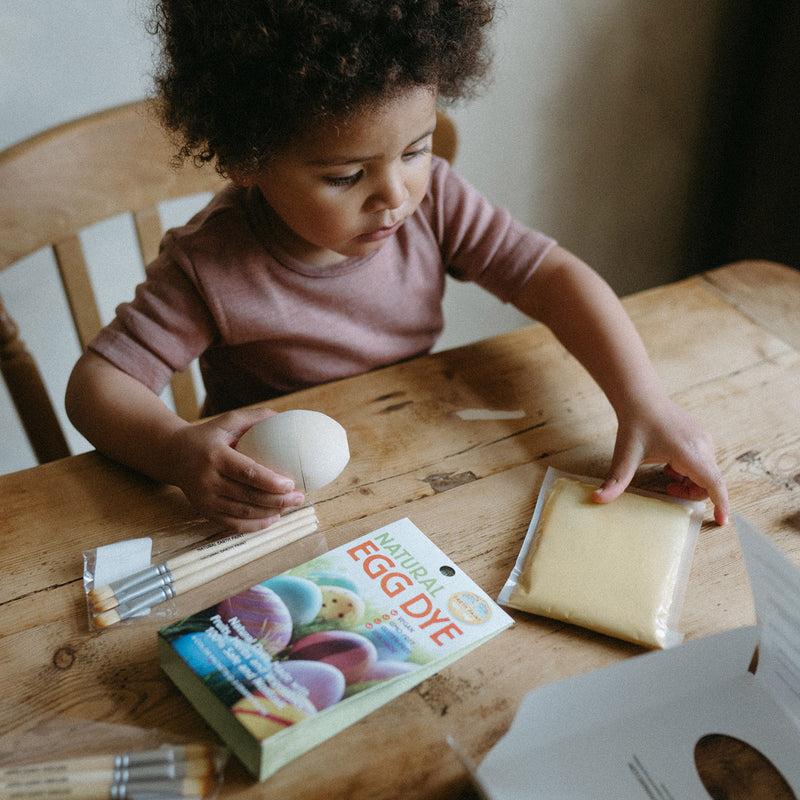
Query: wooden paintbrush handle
[(207, 570), (266, 537), (163, 580), (149, 579), (236, 540), (202, 572), (213, 569)]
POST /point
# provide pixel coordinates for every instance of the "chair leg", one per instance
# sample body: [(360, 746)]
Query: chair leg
[(29, 394)]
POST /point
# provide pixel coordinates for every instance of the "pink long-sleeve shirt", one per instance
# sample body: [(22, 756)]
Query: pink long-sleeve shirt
[(264, 324)]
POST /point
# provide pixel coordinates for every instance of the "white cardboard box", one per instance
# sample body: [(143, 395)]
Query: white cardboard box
[(630, 730)]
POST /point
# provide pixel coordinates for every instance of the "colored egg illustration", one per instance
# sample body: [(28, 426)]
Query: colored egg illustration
[(262, 614), (206, 653), (301, 596), (349, 652), (263, 717), (321, 682), (330, 578), (381, 670), (340, 605)]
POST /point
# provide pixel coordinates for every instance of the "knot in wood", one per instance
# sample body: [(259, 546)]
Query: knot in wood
[(63, 658)]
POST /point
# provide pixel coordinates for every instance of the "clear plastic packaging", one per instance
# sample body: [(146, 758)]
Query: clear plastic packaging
[(620, 569), (123, 583)]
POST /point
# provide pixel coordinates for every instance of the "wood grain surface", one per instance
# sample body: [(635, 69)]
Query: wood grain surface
[(727, 345)]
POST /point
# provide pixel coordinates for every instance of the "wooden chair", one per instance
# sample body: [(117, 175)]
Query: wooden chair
[(445, 137), (58, 183), (53, 186)]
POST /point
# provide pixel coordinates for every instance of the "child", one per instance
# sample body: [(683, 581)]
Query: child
[(326, 256)]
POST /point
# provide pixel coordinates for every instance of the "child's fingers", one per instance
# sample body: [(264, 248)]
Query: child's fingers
[(686, 489), (609, 490), (246, 509), (237, 422), (624, 464), (700, 487), (275, 493), (721, 512)]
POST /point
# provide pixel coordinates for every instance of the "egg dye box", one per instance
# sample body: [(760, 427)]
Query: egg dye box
[(286, 664)]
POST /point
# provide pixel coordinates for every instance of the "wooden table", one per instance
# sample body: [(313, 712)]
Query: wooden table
[(727, 344)]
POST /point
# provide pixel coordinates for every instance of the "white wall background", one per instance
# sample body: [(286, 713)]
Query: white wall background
[(587, 131)]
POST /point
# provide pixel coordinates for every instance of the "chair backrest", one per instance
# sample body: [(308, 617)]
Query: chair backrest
[(58, 183), (64, 180), (445, 137)]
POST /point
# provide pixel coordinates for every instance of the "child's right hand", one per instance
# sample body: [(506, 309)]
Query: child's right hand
[(125, 420), (222, 483)]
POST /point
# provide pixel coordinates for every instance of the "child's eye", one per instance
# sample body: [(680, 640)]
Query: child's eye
[(421, 151), (344, 180)]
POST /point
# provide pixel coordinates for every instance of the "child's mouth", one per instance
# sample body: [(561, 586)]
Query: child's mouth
[(381, 233)]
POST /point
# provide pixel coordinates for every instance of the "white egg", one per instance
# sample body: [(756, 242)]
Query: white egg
[(307, 446)]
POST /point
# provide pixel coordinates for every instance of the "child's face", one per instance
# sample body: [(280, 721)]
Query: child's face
[(343, 190)]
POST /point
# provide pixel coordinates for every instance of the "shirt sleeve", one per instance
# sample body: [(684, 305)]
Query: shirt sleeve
[(164, 328), (480, 241)]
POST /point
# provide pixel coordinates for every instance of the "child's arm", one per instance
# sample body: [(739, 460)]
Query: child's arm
[(123, 419), (586, 316)]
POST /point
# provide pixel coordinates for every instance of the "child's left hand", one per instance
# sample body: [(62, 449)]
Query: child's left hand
[(586, 316), (666, 434)]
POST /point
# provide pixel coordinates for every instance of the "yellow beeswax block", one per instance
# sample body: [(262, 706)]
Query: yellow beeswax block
[(612, 568)]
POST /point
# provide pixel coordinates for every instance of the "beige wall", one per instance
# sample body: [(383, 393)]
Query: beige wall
[(590, 128)]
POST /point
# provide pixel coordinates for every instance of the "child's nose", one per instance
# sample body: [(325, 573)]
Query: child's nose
[(391, 192)]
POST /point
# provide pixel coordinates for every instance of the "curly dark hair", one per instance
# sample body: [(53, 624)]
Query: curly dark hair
[(238, 78)]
